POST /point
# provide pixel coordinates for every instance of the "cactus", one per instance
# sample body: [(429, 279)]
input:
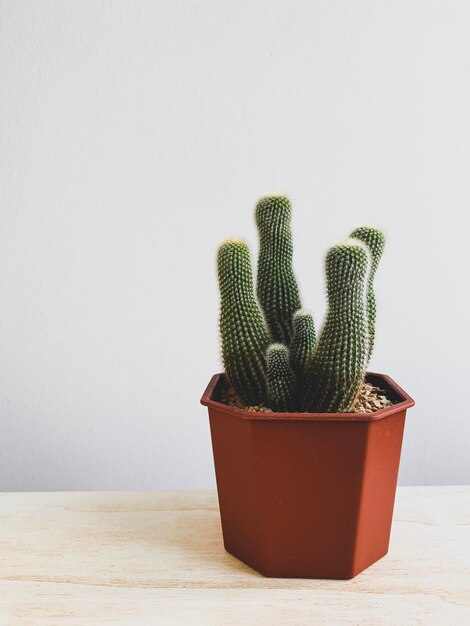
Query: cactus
[(339, 362), (375, 241), (302, 345), (243, 329), (277, 288), (280, 378), (269, 347)]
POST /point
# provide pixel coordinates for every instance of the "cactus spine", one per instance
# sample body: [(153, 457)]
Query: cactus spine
[(280, 378), (339, 362), (243, 330), (375, 241), (277, 288), (302, 345)]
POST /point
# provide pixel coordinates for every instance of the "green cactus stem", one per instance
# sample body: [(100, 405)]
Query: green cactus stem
[(375, 241), (277, 288), (339, 362), (280, 378), (243, 329), (302, 345)]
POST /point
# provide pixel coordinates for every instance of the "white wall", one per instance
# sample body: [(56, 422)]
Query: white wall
[(136, 135)]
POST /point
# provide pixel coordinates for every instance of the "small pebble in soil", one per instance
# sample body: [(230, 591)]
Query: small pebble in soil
[(370, 399)]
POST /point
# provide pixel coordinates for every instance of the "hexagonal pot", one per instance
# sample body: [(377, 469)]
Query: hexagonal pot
[(307, 495)]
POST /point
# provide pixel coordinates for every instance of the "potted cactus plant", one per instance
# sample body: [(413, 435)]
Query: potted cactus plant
[(306, 442)]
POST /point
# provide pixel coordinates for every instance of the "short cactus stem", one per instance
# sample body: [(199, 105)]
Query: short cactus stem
[(244, 333), (337, 368), (302, 345), (280, 378), (277, 288), (375, 241)]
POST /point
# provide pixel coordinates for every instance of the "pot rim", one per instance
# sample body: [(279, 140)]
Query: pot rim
[(404, 403)]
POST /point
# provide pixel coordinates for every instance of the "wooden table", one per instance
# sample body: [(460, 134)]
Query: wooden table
[(157, 558)]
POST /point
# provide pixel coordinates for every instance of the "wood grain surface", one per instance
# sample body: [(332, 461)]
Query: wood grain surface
[(85, 559)]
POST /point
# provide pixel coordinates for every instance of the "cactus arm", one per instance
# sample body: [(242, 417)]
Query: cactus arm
[(280, 378), (243, 330), (302, 345), (277, 288), (338, 365), (375, 241)]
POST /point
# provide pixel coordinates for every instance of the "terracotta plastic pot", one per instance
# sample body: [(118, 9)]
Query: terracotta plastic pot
[(307, 495)]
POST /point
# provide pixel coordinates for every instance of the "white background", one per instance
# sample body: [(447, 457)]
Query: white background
[(137, 135)]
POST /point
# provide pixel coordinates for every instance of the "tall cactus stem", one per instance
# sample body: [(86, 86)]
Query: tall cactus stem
[(338, 365), (277, 288), (375, 241), (243, 329)]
